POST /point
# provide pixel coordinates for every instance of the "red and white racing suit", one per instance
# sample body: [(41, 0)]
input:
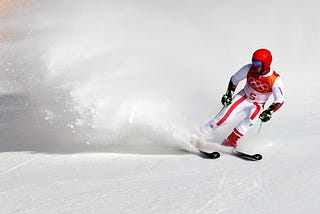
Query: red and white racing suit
[(250, 100)]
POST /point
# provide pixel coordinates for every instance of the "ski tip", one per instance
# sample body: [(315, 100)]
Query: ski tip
[(212, 155), (215, 154), (257, 156)]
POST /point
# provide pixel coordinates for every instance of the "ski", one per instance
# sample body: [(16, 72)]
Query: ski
[(245, 156), (212, 150), (212, 155)]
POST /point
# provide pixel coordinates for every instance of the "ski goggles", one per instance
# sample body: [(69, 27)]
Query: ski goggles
[(256, 63)]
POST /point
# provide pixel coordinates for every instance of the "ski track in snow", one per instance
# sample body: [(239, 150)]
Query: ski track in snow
[(14, 168)]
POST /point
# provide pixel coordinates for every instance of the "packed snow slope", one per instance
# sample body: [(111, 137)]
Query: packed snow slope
[(99, 98)]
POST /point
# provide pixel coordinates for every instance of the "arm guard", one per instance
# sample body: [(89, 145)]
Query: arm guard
[(274, 107), (231, 87)]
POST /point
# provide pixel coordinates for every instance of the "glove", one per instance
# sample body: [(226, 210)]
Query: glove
[(227, 98), (266, 115)]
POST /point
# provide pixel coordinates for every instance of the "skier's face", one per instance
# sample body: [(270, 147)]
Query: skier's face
[(256, 66), (257, 69)]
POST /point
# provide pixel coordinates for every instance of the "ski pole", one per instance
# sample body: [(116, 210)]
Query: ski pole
[(260, 126), (223, 107)]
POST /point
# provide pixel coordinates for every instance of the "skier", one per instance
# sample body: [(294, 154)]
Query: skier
[(261, 82)]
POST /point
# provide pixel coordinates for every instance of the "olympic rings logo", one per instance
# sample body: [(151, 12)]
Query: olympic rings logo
[(257, 84)]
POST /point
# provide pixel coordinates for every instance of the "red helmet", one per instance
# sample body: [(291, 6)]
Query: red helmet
[(264, 56)]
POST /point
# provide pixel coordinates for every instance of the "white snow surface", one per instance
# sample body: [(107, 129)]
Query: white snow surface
[(99, 98)]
